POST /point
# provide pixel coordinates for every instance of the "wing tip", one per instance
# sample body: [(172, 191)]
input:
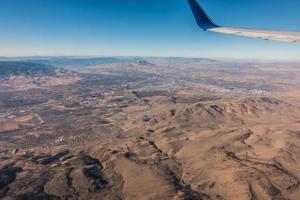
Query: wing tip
[(201, 17)]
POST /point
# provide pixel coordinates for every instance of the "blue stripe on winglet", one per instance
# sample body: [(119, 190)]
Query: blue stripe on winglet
[(202, 19)]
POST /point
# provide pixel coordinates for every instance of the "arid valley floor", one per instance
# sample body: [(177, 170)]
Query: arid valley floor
[(149, 129)]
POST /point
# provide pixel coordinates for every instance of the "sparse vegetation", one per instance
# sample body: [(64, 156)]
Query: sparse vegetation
[(149, 128)]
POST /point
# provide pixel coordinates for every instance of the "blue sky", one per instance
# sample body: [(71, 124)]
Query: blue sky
[(142, 28)]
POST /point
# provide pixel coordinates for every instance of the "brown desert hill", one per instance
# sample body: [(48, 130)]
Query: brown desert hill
[(241, 158), (141, 131), (215, 114), (241, 147), (249, 154)]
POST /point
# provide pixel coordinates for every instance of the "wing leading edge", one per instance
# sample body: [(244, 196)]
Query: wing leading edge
[(207, 24)]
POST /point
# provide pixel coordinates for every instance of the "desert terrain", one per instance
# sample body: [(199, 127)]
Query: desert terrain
[(149, 129)]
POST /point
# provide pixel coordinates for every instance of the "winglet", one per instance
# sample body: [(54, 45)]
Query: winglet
[(202, 19)]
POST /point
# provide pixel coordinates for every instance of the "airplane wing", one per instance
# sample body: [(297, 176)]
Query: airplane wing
[(207, 24)]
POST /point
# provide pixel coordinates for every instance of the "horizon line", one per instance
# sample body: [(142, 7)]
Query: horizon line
[(148, 56)]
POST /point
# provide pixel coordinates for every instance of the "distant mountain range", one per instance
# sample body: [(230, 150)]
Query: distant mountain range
[(66, 61), (9, 68), (89, 61), (76, 62), (47, 66)]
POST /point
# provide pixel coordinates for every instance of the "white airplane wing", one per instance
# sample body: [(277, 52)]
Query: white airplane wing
[(206, 23)]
